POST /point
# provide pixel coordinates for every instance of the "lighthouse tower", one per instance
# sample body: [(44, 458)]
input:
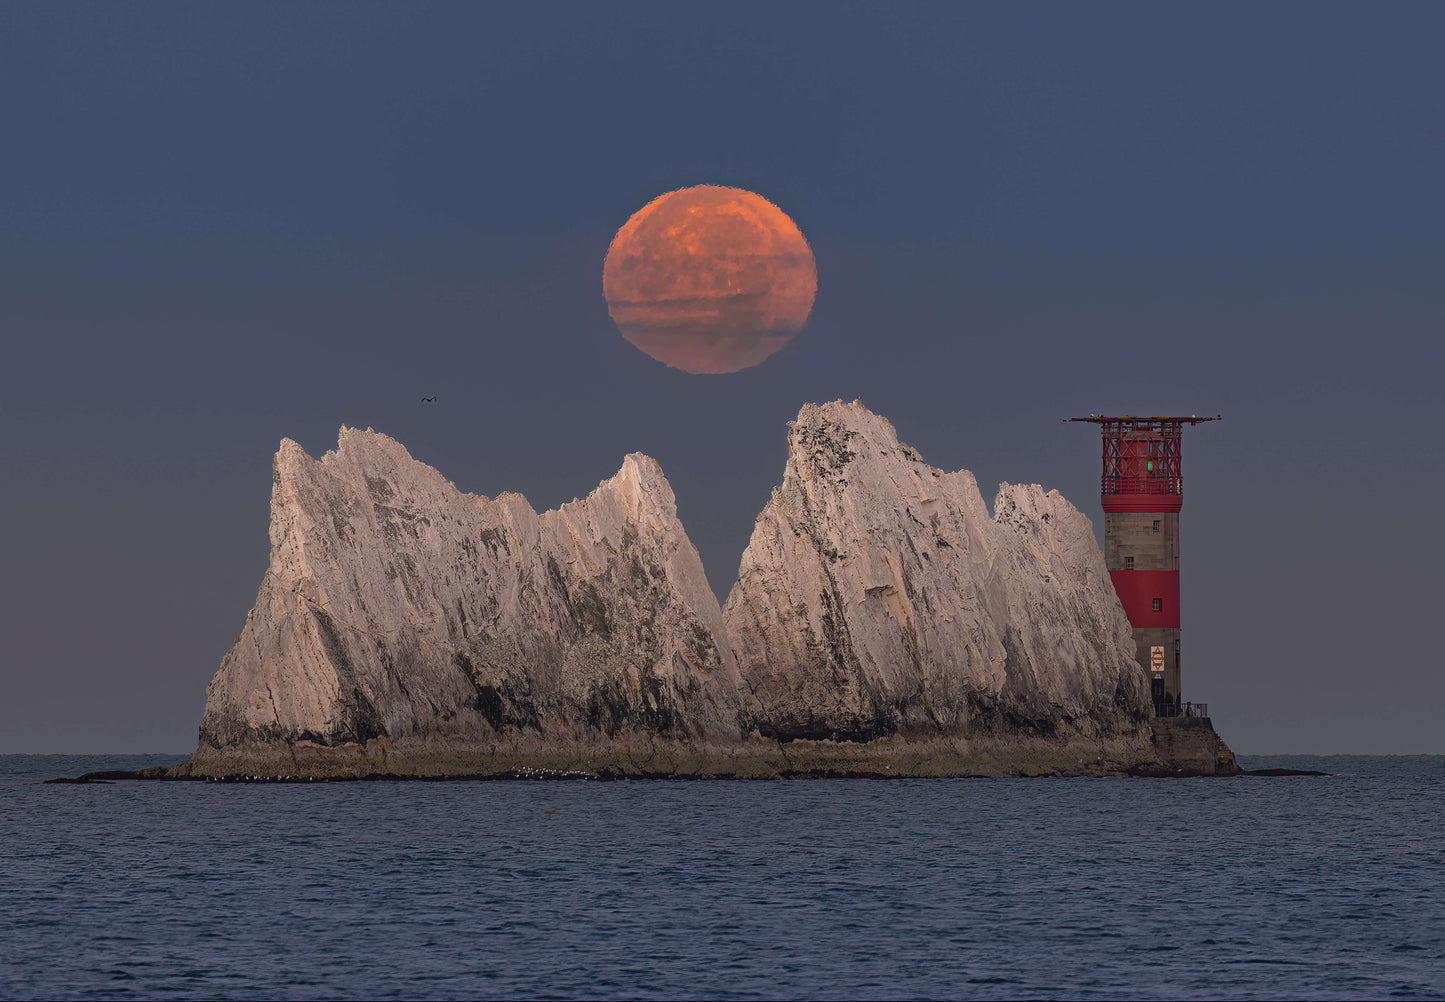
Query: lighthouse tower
[(1142, 490)]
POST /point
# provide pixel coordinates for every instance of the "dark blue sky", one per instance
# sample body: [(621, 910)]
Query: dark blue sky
[(225, 224)]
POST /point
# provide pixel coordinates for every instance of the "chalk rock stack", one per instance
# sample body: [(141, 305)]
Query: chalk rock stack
[(878, 597), (397, 608), (882, 623)]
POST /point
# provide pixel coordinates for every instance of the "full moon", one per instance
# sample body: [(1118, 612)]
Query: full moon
[(709, 279)]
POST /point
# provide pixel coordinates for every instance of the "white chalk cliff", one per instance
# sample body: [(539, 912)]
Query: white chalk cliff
[(396, 606), (878, 597), (420, 630)]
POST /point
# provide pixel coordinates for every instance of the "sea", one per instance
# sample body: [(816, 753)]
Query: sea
[(1240, 888)]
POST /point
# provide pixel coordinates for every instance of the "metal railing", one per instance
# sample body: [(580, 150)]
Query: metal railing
[(1169, 708)]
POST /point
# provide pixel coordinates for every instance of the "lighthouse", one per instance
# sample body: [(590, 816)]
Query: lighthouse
[(1142, 491)]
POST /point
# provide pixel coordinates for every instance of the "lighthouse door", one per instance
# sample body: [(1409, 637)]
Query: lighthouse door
[(1156, 687)]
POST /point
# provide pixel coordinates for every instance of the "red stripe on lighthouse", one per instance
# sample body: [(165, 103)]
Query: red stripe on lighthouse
[(1166, 503), (1137, 591)]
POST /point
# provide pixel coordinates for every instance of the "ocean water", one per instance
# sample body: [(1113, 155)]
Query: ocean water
[(1249, 887)]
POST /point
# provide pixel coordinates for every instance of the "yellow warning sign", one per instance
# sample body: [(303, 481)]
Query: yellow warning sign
[(1156, 659)]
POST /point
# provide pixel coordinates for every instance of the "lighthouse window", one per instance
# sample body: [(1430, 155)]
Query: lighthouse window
[(1156, 525), (1158, 604), (1128, 563)]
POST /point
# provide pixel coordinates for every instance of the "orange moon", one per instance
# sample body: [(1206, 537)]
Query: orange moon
[(709, 279)]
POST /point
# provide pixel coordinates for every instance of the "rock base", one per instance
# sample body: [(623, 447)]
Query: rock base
[(759, 758), (1188, 746)]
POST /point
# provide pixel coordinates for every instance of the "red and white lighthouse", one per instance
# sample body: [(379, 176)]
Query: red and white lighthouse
[(1142, 491)]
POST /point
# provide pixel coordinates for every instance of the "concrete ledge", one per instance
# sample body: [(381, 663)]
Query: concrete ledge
[(1189, 746)]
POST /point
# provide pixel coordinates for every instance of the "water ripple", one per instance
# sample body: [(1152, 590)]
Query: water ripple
[(1099, 889)]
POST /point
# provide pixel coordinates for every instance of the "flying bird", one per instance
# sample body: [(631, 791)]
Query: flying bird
[(429, 400)]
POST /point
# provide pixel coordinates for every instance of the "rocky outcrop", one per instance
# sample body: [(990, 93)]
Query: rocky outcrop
[(398, 610), (883, 623), (878, 597)]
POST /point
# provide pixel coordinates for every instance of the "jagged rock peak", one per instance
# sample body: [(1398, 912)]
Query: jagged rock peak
[(397, 607), (877, 596)]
